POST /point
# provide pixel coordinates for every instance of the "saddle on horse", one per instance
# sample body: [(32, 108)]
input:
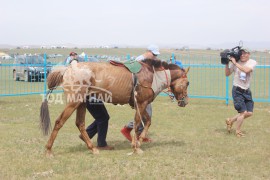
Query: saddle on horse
[(132, 66)]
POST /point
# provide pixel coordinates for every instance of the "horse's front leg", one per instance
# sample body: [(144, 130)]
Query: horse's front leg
[(147, 121), (69, 109), (140, 113), (80, 123)]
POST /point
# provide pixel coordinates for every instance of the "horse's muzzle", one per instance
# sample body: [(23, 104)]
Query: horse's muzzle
[(183, 101)]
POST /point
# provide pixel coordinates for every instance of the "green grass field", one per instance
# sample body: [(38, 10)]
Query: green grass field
[(188, 143)]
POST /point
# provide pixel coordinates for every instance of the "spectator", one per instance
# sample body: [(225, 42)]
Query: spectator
[(72, 56)]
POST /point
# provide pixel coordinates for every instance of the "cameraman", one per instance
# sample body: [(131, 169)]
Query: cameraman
[(242, 98)]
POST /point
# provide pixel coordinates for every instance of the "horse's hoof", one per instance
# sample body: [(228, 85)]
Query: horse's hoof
[(131, 153), (49, 154), (138, 151), (95, 151)]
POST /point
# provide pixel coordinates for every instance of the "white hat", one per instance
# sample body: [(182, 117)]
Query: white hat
[(154, 49), (245, 50)]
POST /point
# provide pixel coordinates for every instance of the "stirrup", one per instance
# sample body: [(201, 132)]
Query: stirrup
[(240, 134), (229, 125)]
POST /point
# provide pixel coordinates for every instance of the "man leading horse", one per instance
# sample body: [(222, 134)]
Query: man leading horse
[(115, 85)]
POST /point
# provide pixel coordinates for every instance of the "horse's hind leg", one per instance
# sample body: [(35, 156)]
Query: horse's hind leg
[(60, 121), (80, 123)]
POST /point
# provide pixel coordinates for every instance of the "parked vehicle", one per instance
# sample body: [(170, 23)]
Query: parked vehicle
[(30, 68), (55, 55)]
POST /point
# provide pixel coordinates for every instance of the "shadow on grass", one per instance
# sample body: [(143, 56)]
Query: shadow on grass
[(222, 131), (175, 143), (118, 145), (225, 132), (126, 145)]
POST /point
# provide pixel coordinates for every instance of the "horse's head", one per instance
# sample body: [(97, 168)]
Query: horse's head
[(179, 89), (179, 81)]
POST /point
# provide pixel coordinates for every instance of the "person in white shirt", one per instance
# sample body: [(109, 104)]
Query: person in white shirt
[(242, 96), (151, 53)]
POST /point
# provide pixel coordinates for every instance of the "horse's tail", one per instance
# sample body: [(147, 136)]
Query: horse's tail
[(45, 121), (54, 79)]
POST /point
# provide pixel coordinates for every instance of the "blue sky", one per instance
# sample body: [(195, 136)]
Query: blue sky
[(138, 22)]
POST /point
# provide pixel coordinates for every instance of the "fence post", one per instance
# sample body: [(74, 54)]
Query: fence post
[(173, 59), (128, 57), (268, 83), (227, 90), (45, 74)]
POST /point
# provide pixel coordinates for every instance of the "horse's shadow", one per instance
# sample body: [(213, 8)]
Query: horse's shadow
[(174, 143), (118, 145), (225, 132), (126, 145), (221, 131)]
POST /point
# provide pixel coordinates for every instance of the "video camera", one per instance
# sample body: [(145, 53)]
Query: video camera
[(227, 53), (234, 52)]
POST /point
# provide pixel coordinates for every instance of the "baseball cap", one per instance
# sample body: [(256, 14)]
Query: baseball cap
[(245, 50), (154, 49), (72, 54)]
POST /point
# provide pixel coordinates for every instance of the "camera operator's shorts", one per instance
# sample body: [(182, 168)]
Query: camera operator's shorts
[(242, 99)]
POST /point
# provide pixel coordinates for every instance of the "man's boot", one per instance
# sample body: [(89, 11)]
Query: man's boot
[(126, 132)]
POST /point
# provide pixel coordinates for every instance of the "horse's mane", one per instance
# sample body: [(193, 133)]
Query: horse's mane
[(158, 63)]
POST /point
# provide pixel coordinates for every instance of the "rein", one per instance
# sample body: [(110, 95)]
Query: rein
[(168, 91), (168, 86), (134, 92), (170, 94)]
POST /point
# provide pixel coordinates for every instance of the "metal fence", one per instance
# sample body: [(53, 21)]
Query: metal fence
[(206, 76)]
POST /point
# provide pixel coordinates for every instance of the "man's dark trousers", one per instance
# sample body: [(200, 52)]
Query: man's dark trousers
[(100, 125)]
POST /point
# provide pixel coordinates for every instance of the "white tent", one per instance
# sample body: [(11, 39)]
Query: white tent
[(82, 54), (5, 56)]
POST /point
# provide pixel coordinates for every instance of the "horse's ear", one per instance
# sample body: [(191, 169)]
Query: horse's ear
[(186, 70)]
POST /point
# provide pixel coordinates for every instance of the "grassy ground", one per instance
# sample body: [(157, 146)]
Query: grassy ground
[(189, 143)]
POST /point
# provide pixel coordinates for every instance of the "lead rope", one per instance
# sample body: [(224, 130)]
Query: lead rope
[(168, 92), (135, 100), (166, 78)]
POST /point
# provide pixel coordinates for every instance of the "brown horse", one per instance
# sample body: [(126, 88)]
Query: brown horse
[(115, 85)]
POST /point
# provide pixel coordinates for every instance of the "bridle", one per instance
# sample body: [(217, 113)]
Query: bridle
[(172, 96), (169, 92)]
